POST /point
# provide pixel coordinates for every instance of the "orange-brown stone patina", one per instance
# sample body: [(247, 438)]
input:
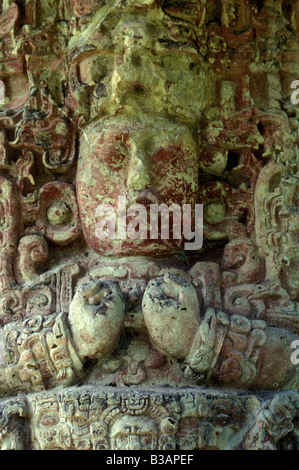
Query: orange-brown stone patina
[(146, 165)]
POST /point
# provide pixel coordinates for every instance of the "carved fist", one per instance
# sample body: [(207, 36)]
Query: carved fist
[(96, 318), (171, 313)]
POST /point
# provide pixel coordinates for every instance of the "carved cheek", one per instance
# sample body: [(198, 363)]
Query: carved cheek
[(173, 178), (121, 442), (103, 175), (97, 183)]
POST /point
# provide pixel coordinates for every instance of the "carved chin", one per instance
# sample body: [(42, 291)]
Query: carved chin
[(144, 248)]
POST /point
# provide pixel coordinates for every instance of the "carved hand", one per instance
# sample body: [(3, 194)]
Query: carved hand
[(96, 318), (171, 310)]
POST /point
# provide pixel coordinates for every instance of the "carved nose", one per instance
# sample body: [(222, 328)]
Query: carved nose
[(133, 56), (134, 444), (138, 175)]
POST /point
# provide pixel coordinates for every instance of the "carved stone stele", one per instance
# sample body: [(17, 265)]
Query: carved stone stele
[(112, 335)]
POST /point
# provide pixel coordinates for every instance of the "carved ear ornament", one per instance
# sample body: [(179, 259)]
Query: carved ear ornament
[(206, 351)]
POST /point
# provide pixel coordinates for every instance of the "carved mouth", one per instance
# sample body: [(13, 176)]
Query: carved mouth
[(145, 197)]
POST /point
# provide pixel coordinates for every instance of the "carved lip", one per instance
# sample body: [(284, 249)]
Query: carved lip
[(144, 197)]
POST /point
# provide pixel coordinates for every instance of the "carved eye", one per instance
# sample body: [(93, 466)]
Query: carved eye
[(84, 445), (92, 70), (121, 440), (100, 68), (238, 261), (146, 440), (61, 128), (49, 420), (114, 156), (80, 422), (115, 159), (222, 419), (168, 44), (187, 444), (27, 137)]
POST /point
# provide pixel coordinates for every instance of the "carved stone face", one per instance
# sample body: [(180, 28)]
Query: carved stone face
[(134, 433), (51, 433), (142, 64), (150, 162), (142, 76)]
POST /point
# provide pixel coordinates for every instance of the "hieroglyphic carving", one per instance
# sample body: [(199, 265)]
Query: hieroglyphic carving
[(40, 354), (89, 418), (273, 423)]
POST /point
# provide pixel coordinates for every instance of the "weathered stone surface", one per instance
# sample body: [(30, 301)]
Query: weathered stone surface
[(87, 418), (135, 342)]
